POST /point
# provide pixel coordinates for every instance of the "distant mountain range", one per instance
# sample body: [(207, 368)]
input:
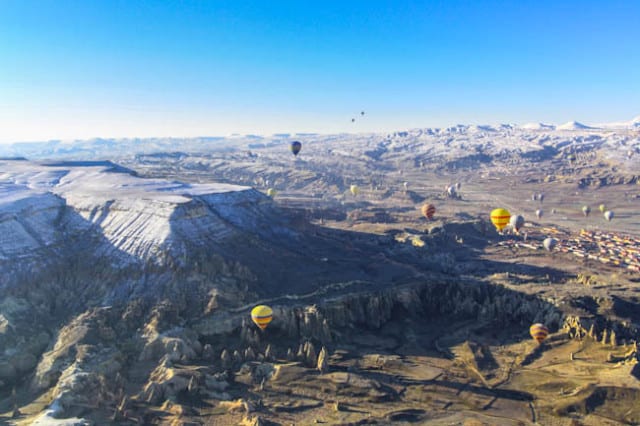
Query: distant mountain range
[(575, 125), (106, 148)]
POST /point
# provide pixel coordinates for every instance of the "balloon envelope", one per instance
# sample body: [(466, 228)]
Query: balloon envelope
[(586, 210), (296, 146), (516, 221), (539, 213), (608, 215), (602, 208), (262, 316), (539, 332), (500, 218), (271, 192), (428, 210), (355, 190), (549, 243)]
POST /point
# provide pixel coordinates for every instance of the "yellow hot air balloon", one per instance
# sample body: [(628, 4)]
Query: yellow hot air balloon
[(271, 192), (355, 190), (602, 208), (500, 218), (539, 332), (262, 316)]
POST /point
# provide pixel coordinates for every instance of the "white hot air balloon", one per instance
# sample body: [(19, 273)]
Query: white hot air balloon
[(516, 221), (549, 243)]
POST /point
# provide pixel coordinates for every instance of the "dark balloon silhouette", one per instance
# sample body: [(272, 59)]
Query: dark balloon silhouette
[(296, 146)]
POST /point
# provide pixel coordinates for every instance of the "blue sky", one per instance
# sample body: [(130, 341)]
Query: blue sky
[(90, 68)]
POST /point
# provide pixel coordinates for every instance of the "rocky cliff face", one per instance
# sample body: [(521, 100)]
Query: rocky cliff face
[(331, 320), (74, 236)]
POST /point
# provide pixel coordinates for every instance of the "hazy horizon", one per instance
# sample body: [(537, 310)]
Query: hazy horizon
[(80, 70)]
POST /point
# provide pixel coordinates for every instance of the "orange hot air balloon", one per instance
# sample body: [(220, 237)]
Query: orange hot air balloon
[(539, 332), (500, 218), (262, 316), (428, 210)]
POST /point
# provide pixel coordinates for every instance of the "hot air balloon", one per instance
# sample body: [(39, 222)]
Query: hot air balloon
[(428, 210), (458, 185), (406, 185), (271, 192), (608, 215), (534, 197), (500, 218), (541, 197), (539, 332), (549, 243), (296, 146), (353, 120), (262, 316), (586, 210), (516, 221), (451, 191), (361, 112), (602, 208), (355, 190), (539, 213)]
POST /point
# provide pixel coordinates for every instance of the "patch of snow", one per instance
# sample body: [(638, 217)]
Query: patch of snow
[(622, 125), (481, 128), (48, 417), (537, 126), (573, 125)]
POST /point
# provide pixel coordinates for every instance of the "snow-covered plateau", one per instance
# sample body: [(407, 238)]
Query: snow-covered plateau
[(45, 205)]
